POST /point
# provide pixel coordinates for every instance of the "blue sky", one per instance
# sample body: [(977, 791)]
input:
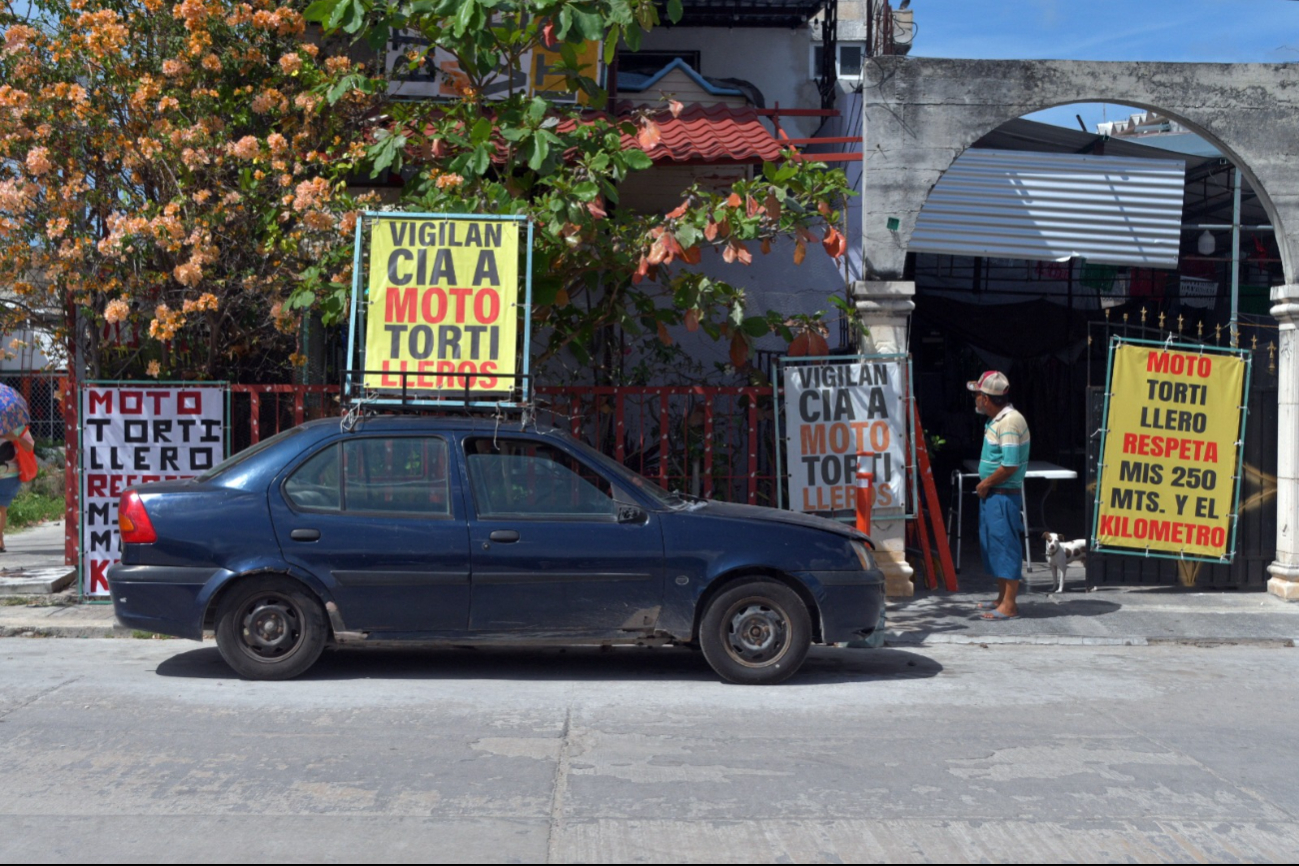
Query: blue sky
[(1187, 31)]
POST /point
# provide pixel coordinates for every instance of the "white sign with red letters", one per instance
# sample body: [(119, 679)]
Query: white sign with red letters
[(131, 435)]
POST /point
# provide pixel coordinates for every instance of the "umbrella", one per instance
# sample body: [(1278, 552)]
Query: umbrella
[(14, 414)]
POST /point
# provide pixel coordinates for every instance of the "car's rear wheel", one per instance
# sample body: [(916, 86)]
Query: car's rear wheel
[(270, 628), (756, 633)]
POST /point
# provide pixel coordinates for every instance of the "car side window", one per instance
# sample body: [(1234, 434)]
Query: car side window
[(385, 475), (524, 478), (397, 475), (315, 484)]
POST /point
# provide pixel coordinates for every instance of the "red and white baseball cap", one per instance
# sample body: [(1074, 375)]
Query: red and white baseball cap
[(992, 382)]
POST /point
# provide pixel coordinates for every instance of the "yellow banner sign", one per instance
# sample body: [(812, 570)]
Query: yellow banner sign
[(442, 304), (1167, 477)]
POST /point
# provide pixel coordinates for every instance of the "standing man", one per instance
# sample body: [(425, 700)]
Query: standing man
[(1002, 465)]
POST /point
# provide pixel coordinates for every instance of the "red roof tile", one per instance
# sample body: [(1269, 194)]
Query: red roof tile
[(712, 134)]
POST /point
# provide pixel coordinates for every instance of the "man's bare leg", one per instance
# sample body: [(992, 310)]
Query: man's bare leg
[(1007, 605)]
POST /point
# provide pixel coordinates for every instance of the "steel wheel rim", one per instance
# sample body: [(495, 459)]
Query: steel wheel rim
[(756, 632), (270, 627)]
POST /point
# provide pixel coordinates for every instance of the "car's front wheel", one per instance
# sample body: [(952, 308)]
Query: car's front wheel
[(270, 628), (756, 633)]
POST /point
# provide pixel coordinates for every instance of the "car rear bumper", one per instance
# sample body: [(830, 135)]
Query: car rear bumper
[(850, 602), (164, 599)]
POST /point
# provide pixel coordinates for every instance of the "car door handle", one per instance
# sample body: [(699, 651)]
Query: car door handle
[(505, 536), (305, 534)]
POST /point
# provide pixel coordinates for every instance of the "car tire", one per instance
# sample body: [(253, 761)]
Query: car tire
[(756, 633), (270, 628)]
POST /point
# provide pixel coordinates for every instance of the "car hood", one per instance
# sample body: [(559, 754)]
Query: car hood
[(778, 515)]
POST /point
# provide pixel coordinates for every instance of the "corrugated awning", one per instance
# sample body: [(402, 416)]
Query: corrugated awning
[(1054, 207)]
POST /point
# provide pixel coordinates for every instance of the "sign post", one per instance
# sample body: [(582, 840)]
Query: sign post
[(1168, 484)]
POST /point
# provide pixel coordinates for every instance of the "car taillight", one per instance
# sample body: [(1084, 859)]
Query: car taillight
[(133, 520)]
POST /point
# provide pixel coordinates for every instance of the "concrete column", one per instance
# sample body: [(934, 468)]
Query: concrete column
[(1285, 568), (885, 309)]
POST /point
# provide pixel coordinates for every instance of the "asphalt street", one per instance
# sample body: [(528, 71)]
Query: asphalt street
[(149, 750)]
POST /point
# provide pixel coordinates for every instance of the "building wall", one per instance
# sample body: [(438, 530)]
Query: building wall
[(776, 61)]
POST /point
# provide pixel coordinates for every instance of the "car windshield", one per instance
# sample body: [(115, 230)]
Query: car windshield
[(238, 459), (640, 482)]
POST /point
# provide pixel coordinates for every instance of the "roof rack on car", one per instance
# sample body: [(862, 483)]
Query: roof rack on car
[(367, 392)]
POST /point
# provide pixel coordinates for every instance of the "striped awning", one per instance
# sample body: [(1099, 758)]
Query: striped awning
[(1054, 207)]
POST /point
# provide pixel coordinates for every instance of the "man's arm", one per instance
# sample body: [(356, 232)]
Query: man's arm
[(1000, 474)]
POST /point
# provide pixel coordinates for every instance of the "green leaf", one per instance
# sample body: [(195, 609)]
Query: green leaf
[(320, 11), (579, 352), (756, 326), (464, 17), (540, 150), (482, 131), (355, 16), (565, 22), (589, 24), (611, 44), (638, 160), (586, 190), (544, 291), (341, 8), (687, 235), (481, 160), (674, 11)]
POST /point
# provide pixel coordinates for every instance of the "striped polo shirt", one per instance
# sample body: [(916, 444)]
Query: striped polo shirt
[(1005, 443)]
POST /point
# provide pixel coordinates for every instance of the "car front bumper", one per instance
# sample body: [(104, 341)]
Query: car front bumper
[(850, 602)]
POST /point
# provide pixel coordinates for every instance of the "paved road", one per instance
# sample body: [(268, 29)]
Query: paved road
[(130, 751)]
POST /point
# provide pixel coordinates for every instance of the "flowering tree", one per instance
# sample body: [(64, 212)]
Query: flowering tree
[(599, 269), (169, 172), (174, 176)]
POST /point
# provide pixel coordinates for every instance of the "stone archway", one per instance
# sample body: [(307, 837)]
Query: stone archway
[(920, 114)]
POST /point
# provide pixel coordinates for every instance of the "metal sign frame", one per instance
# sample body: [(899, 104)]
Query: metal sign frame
[(521, 376), (908, 512), (1237, 471)]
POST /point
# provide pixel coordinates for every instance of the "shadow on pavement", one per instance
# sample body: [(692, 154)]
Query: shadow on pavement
[(824, 665)]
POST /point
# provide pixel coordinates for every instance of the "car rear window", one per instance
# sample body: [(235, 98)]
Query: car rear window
[(247, 454)]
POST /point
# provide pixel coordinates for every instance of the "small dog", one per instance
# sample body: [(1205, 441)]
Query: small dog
[(1061, 553)]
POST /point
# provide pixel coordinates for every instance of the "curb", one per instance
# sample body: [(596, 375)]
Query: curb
[(81, 630)]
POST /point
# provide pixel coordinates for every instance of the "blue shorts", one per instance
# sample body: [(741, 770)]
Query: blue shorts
[(8, 490), (1001, 530)]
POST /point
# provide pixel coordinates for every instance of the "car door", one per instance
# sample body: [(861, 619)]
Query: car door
[(548, 548), (380, 520)]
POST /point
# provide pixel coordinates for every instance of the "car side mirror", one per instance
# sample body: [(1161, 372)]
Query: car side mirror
[(631, 514)]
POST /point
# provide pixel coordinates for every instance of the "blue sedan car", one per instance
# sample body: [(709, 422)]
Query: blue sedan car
[(457, 531)]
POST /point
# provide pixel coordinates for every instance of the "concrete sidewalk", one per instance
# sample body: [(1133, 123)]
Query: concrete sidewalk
[(1131, 616), (38, 592), (1128, 616)]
